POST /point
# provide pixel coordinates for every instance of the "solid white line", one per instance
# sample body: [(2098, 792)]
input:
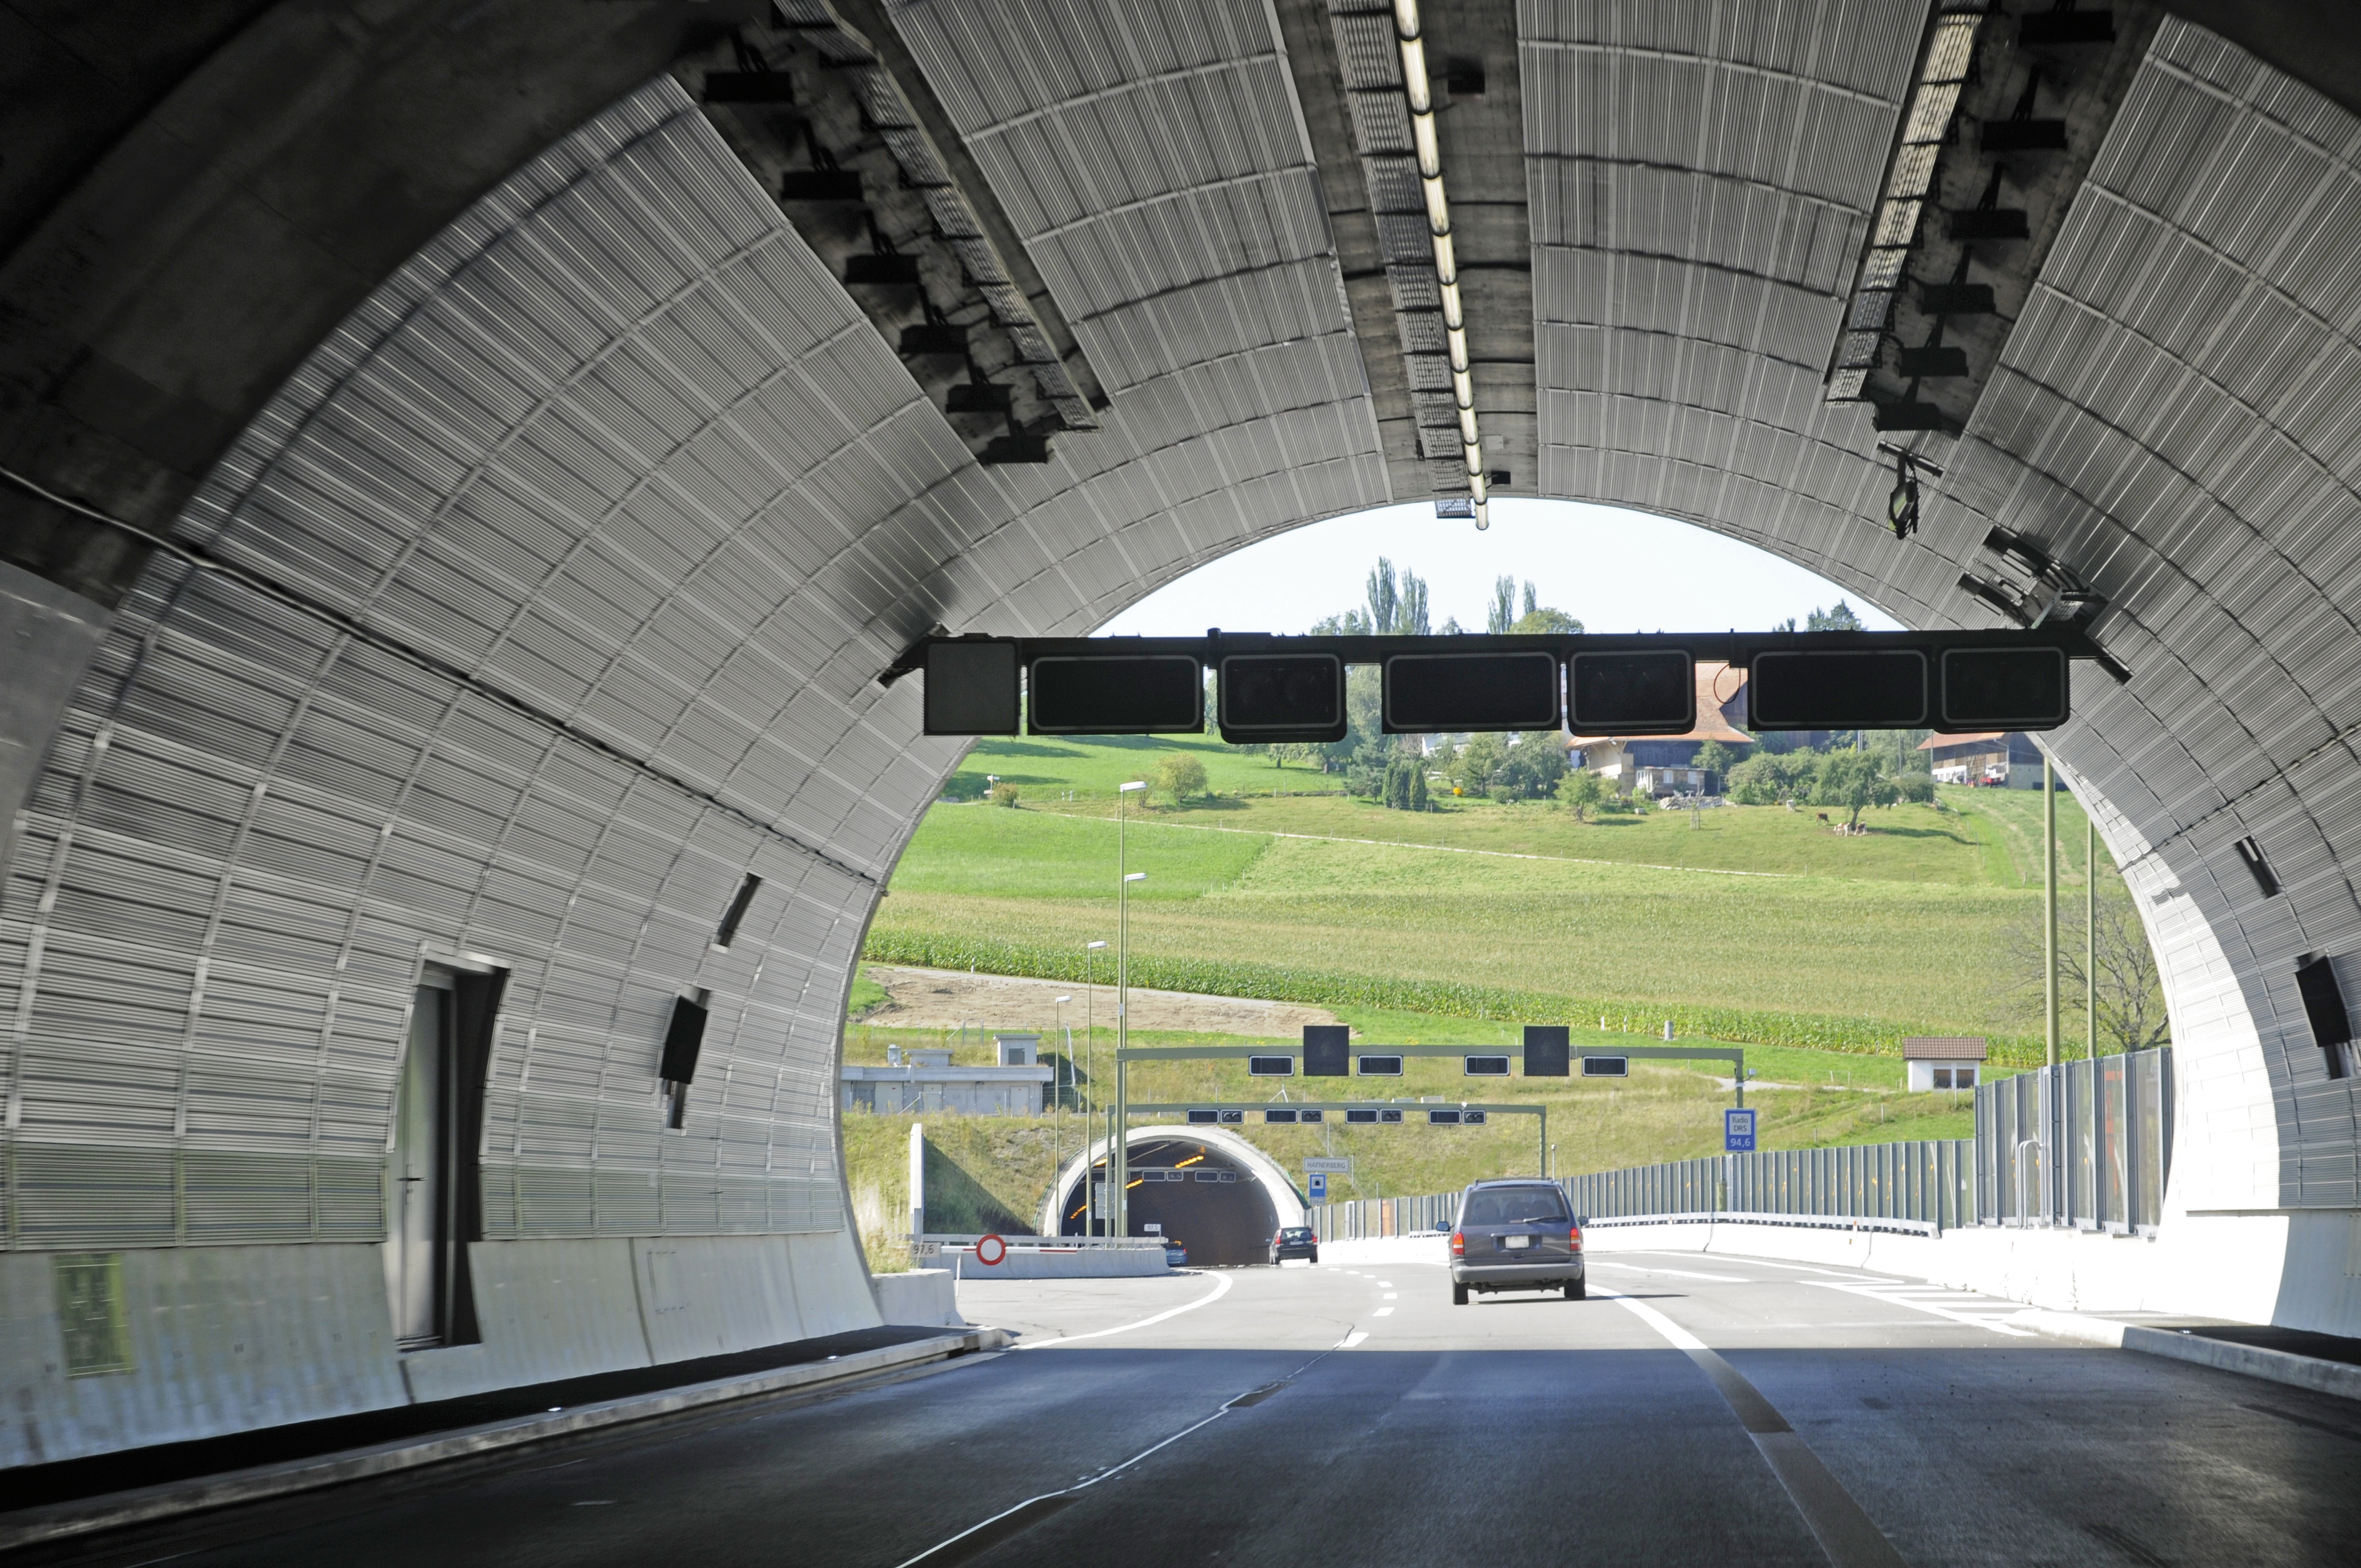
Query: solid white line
[(1350, 1340), (1220, 1288)]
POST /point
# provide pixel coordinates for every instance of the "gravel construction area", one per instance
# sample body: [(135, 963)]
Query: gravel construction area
[(944, 999)]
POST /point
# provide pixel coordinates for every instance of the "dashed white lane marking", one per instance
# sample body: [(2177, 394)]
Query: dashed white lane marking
[(1383, 1312), (1385, 1284), (1350, 1340), (1221, 1288), (1916, 1301), (1391, 1296)]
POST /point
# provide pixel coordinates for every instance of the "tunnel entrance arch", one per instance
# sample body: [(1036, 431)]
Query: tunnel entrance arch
[(1215, 1193)]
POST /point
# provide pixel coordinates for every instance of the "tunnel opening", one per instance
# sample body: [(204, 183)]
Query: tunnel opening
[(1187, 1190)]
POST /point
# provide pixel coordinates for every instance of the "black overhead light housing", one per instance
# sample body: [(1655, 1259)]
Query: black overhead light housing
[(1115, 694), (1281, 698), (1642, 693), (1426, 694), (1902, 502)]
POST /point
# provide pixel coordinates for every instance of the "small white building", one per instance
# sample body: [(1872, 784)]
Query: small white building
[(1944, 1061)]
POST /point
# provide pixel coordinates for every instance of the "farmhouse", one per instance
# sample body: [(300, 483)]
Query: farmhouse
[(1997, 759), (1666, 765)]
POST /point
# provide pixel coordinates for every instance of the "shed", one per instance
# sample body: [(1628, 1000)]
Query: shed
[(1944, 1061)]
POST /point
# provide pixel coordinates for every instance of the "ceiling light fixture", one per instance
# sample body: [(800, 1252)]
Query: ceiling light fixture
[(1429, 151), (1909, 182)]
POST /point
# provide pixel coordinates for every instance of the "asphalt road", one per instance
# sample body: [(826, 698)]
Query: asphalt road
[(1724, 1411)]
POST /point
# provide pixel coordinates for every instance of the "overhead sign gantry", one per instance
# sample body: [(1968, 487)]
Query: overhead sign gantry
[(1291, 689)]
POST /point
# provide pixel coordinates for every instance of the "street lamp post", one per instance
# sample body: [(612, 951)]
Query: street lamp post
[(1119, 1154), (1090, 1070), (1058, 1095)]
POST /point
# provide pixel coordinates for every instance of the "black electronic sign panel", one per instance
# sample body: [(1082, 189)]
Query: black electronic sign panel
[(1546, 1050), (1357, 1115), (1381, 1066), (1116, 694), (1650, 693), (1278, 1113), (1270, 1066), (1879, 688), (1442, 1118), (1428, 693), (1328, 1050), (1291, 698), (2002, 688), (1607, 1067), (970, 688), (1487, 1067)]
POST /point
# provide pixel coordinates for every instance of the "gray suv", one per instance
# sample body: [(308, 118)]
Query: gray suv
[(1515, 1235)]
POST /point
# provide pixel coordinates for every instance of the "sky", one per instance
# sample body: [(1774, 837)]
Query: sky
[(1612, 570)]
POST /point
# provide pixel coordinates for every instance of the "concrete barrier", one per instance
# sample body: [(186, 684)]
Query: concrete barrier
[(923, 1296)]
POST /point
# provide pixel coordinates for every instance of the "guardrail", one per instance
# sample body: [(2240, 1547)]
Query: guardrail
[(932, 1244), (1797, 1221)]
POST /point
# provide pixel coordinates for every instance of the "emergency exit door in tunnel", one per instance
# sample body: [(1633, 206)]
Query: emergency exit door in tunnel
[(1202, 1199)]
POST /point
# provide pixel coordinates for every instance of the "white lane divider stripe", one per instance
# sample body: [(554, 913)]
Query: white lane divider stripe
[(1350, 1340), (1844, 1531), (1221, 1288)]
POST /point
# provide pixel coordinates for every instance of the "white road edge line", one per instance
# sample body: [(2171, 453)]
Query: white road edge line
[(1837, 1521), (1221, 1288), (1683, 1273)]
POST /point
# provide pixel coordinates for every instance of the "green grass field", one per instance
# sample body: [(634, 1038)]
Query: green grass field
[(1916, 955)]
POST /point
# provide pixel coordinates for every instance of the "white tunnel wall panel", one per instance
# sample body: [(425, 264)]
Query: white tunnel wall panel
[(2173, 416), (612, 506)]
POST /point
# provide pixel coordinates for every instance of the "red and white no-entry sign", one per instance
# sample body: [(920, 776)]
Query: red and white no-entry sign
[(990, 1251)]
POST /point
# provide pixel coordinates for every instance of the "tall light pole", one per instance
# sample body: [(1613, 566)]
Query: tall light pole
[(1090, 1070), (1119, 1156), (1058, 1098), (2090, 932), (2050, 901)]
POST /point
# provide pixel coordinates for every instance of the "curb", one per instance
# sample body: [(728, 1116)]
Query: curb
[(2278, 1366), (115, 1510), (2333, 1377)]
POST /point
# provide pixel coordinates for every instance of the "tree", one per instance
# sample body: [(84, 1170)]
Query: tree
[(1852, 780), (1547, 622), (1502, 614), (1840, 618), (1582, 790), (1713, 757), (1532, 767), (1531, 602), (1767, 778), (2131, 997), (1180, 774), (1478, 763)]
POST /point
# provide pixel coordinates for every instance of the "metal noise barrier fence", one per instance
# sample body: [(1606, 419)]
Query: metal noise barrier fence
[(1927, 1182), (2084, 1144)]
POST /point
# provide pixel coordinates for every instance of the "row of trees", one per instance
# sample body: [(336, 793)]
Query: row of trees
[(1847, 779)]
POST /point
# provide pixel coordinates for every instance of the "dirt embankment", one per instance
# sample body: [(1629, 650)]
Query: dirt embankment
[(946, 999)]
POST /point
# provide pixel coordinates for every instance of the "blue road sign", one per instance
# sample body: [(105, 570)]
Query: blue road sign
[(1738, 1132), (1319, 1183)]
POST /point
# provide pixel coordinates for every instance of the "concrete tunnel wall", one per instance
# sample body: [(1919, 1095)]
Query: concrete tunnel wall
[(604, 512)]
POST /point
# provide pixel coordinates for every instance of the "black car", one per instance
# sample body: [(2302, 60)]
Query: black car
[(1295, 1241)]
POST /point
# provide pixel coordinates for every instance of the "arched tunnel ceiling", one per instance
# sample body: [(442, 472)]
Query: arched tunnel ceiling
[(611, 504)]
